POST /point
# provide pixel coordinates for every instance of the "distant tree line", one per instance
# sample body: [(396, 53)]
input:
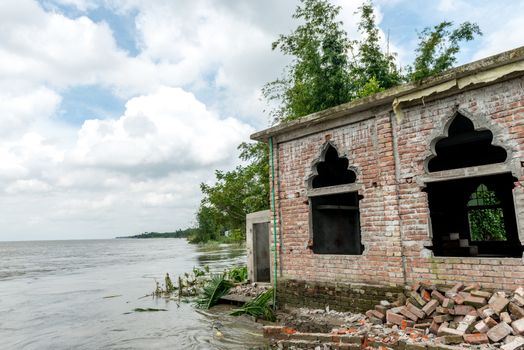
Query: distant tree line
[(176, 234), (328, 69)]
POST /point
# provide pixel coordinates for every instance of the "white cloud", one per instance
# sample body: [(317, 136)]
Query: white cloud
[(146, 164), (20, 108), (158, 132), (28, 186)]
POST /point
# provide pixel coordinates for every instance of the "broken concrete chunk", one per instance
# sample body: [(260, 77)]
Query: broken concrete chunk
[(519, 291), (514, 344), (499, 332), (498, 302), (518, 326)]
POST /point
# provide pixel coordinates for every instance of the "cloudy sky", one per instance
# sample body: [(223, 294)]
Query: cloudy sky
[(113, 111)]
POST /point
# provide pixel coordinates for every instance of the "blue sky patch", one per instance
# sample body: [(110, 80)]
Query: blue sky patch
[(89, 102)]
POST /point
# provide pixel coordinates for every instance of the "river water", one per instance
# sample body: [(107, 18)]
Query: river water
[(54, 295)]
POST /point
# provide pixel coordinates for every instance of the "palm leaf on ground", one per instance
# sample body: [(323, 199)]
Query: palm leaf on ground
[(258, 307), (213, 290)]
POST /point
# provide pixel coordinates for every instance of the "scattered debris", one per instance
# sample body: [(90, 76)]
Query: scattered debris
[(432, 317)]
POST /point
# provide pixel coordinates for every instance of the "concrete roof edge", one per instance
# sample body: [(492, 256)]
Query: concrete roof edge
[(389, 95)]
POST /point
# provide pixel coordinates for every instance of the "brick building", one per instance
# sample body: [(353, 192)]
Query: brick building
[(419, 182)]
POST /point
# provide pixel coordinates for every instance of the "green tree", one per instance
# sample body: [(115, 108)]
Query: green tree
[(318, 77), (438, 48), (372, 70), (234, 194)]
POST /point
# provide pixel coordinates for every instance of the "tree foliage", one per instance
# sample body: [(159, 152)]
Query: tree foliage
[(438, 48), (373, 70), (234, 194), (317, 77), (329, 69)]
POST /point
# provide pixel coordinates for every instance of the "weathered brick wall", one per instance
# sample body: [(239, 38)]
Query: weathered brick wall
[(394, 211), (339, 296), (499, 107), (368, 146)]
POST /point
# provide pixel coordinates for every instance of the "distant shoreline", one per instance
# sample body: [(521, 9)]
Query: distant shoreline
[(147, 235)]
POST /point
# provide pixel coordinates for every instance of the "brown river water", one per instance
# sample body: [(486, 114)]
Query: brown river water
[(53, 295)]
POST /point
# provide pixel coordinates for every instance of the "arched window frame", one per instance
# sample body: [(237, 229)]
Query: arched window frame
[(511, 165), (318, 195)]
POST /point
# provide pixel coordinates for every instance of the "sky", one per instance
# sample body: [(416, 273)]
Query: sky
[(112, 112)]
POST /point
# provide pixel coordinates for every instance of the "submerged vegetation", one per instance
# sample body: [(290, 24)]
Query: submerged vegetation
[(205, 289), (213, 290), (260, 307)]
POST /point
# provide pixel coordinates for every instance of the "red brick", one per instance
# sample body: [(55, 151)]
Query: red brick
[(475, 301), (405, 311), (476, 339), (430, 307), (394, 318)]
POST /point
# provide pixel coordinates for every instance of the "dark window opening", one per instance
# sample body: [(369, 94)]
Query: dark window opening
[(335, 217), (333, 170), (474, 217), (336, 224), (465, 147)]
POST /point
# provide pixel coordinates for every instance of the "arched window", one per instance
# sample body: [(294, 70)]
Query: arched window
[(471, 216), (335, 217), (465, 147)]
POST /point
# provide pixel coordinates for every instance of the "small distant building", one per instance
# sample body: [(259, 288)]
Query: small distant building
[(422, 182)]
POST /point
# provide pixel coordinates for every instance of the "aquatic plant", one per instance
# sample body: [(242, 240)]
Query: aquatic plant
[(259, 307), (238, 274), (213, 290)]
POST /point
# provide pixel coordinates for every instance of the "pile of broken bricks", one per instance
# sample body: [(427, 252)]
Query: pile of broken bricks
[(458, 315)]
